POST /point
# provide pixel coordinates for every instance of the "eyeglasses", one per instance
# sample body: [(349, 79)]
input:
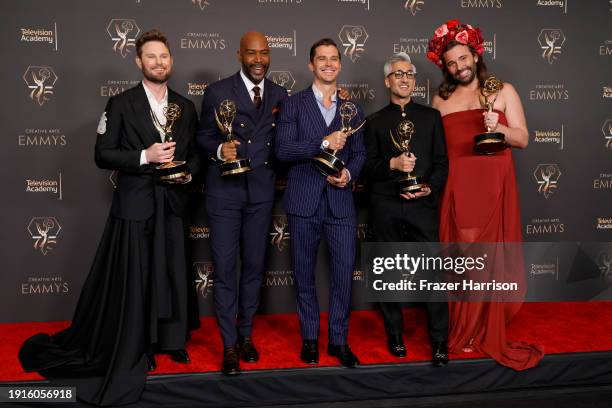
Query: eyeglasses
[(399, 74)]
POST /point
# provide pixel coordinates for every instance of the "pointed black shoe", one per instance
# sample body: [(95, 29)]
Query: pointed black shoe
[(344, 355), (231, 361), (396, 346), (180, 356), (248, 352), (310, 352), (439, 353), (151, 363)]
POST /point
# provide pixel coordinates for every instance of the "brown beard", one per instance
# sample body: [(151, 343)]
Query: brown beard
[(469, 79)]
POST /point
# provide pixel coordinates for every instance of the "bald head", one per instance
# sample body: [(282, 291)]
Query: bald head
[(254, 55)]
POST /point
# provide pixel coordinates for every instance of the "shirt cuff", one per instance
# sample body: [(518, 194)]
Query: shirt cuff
[(143, 158), (219, 152)]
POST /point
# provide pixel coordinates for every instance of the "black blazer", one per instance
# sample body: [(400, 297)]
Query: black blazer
[(129, 130), (428, 145)]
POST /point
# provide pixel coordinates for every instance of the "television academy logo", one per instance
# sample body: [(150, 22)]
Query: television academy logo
[(421, 90), (45, 185), (41, 80), (282, 78), (204, 278), (549, 136), (123, 32), (545, 268), (547, 176), (280, 236), (286, 42), (607, 132), (554, 3), (353, 38), (604, 223), (40, 35), (196, 88), (414, 6), (201, 4), (551, 40), (44, 231)]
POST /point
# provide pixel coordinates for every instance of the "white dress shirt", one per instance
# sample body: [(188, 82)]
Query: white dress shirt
[(158, 110)]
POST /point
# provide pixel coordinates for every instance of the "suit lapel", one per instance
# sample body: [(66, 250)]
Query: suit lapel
[(243, 99), (336, 123), (314, 112), (142, 111)]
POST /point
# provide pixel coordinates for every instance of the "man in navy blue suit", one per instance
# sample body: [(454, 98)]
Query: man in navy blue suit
[(315, 204), (239, 206)]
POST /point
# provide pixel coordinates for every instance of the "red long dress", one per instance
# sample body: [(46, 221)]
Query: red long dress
[(480, 204)]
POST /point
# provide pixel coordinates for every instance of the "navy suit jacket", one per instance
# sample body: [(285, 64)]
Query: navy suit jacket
[(301, 129), (254, 129)]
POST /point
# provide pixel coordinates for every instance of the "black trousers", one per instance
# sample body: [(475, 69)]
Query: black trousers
[(397, 220)]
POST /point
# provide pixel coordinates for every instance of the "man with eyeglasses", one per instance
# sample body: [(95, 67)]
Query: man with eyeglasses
[(397, 216)]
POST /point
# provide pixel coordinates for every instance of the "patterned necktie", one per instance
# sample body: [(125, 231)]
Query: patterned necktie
[(257, 98)]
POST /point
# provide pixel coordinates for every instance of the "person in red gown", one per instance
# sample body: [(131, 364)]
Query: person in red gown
[(480, 202)]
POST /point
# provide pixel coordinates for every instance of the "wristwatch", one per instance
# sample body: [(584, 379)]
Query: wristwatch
[(325, 144)]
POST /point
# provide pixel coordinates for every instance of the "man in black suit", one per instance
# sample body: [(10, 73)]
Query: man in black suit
[(407, 217), (139, 297), (239, 206)]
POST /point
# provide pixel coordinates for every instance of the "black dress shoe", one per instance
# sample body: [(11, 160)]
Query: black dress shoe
[(344, 354), (248, 352), (310, 352), (396, 346), (231, 361), (151, 363), (180, 356), (439, 353)]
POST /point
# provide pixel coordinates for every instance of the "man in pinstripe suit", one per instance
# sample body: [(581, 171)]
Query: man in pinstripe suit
[(317, 204)]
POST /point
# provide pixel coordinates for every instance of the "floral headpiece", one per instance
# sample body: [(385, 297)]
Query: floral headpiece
[(457, 31)]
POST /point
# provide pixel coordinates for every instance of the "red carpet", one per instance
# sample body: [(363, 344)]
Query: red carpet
[(557, 327)]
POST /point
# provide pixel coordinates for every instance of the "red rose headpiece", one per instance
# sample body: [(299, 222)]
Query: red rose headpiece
[(457, 31)]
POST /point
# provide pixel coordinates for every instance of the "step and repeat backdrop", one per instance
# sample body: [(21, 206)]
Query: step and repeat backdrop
[(64, 59)]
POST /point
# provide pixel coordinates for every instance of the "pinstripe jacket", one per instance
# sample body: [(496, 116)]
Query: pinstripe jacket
[(301, 129)]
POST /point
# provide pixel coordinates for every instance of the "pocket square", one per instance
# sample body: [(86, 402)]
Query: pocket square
[(275, 110)]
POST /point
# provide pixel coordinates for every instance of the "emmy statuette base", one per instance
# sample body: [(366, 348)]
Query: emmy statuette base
[(489, 143), (411, 184), (327, 163), (167, 172), (237, 166)]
